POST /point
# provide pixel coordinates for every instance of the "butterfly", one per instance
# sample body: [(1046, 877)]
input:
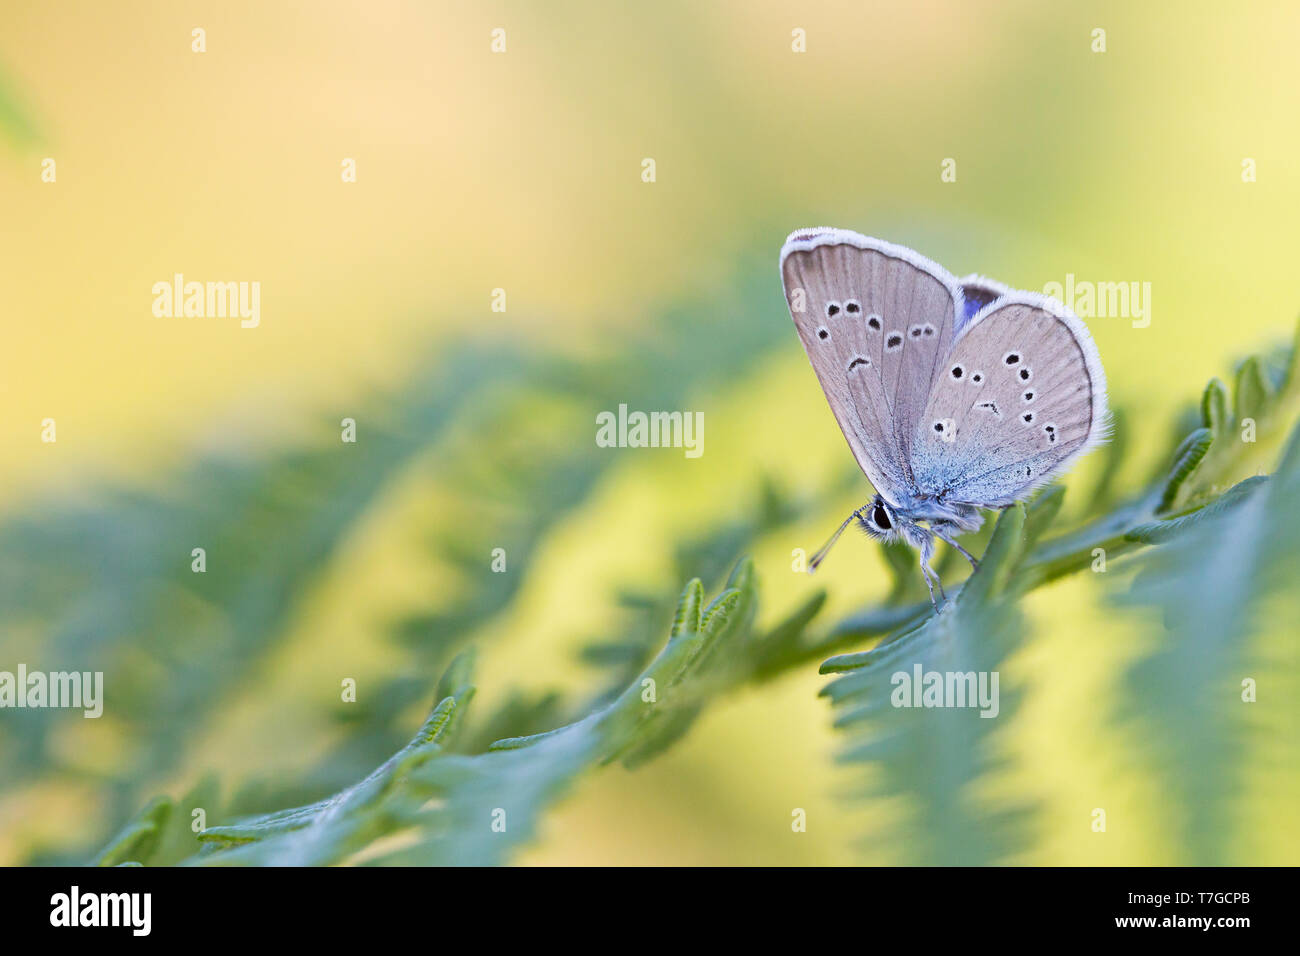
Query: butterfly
[(955, 395)]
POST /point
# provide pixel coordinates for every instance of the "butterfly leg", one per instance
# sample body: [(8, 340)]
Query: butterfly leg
[(931, 576), (942, 532)]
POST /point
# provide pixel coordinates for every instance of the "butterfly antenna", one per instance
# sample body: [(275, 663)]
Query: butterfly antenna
[(820, 556)]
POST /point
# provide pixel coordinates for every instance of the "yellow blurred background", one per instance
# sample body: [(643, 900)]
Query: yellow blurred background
[(522, 171)]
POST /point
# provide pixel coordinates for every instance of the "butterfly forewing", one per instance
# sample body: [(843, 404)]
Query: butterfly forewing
[(1020, 395), (877, 321)]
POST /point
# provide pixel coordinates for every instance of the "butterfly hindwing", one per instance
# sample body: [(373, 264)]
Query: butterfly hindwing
[(1021, 394), (876, 321)]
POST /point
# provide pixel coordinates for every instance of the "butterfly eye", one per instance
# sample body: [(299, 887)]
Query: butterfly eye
[(880, 518)]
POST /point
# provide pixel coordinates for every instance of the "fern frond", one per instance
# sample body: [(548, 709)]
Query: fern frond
[(442, 807)]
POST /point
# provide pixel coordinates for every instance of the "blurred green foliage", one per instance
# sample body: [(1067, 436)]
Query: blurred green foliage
[(105, 583), (1208, 561)]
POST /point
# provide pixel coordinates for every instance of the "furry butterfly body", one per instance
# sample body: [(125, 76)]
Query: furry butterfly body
[(954, 395)]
